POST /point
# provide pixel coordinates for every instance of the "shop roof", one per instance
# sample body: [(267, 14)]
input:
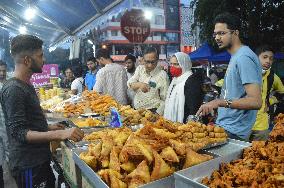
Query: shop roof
[(54, 19)]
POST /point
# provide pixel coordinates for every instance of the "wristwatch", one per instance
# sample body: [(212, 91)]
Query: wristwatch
[(228, 103)]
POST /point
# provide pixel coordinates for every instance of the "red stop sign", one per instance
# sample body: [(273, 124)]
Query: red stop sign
[(134, 26)]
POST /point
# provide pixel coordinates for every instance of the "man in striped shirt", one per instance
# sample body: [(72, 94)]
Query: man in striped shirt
[(112, 78)]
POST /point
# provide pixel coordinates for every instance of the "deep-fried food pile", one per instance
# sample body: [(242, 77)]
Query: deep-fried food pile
[(262, 165), (278, 131), (97, 103), (279, 118), (193, 134), (71, 109), (124, 158), (103, 104), (88, 122), (135, 117)]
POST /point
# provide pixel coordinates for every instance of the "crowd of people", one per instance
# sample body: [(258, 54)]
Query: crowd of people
[(176, 93)]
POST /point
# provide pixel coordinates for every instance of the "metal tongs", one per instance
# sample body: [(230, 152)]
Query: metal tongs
[(193, 118)]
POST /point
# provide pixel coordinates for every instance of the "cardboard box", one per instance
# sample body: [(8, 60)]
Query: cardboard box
[(71, 172)]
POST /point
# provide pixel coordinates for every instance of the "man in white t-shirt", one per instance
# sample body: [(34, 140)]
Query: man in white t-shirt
[(77, 85)]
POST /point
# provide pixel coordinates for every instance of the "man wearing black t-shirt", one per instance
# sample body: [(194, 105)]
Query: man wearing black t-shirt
[(27, 129)]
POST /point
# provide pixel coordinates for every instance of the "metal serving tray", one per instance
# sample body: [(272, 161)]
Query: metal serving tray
[(208, 146), (86, 170), (167, 182), (71, 123), (191, 177), (229, 148)]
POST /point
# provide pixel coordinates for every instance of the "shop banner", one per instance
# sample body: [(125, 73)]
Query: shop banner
[(48, 70)]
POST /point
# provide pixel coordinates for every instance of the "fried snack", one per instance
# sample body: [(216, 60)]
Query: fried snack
[(186, 136), (94, 136), (218, 130), (70, 109), (146, 150), (128, 166), (104, 174), (141, 173), (88, 159), (179, 147), (95, 150), (161, 169), (107, 144), (164, 133), (199, 135), (260, 166), (169, 154), (195, 146), (88, 122), (106, 149), (277, 134), (121, 137), (279, 118), (210, 128), (114, 161), (116, 182), (162, 145), (193, 158), (219, 135)]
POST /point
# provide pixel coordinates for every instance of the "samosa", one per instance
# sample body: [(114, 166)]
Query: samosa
[(169, 154), (161, 168), (141, 172), (193, 158)]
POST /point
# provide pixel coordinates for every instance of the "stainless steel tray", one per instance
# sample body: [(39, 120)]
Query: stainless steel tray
[(167, 182), (72, 124), (215, 145), (87, 171), (229, 148), (191, 177)]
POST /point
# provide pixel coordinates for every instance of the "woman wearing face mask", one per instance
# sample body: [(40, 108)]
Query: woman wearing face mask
[(185, 94)]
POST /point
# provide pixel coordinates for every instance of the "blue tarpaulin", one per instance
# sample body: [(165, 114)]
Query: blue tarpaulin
[(205, 52), (279, 55), (202, 53), (218, 57)]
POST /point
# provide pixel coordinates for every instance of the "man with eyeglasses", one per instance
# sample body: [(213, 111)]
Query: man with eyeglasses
[(150, 83), (241, 92)]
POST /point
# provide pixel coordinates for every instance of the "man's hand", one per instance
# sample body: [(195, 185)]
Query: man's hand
[(209, 107), (144, 87), (74, 134), (56, 126)]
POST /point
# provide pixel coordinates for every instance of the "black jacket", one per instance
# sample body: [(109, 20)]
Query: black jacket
[(193, 94)]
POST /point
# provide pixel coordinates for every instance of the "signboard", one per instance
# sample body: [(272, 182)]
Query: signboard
[(118, 57), (48, 70), (134, 26)]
